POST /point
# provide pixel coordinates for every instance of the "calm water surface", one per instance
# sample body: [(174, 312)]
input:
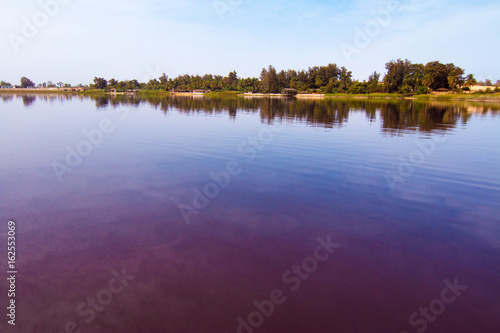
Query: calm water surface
[(409, 192)]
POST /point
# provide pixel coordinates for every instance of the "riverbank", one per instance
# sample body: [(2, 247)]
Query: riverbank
[(487, 97), (481, 97), (28, 91), (475, 96)]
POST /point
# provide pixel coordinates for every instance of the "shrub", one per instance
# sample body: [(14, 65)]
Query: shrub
[(406, 89), (422, 90)]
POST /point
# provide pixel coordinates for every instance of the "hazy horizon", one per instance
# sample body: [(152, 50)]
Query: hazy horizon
[(75, 40)]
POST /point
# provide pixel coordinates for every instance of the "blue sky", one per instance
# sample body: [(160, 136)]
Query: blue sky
[(128, 39)]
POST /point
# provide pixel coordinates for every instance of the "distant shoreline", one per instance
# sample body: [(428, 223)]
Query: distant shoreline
[(40, 90), (473, 97)]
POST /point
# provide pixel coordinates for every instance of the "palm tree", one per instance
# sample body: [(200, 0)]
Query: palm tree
[(470, 80)]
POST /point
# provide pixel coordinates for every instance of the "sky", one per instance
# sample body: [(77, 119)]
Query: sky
[(72, 41)]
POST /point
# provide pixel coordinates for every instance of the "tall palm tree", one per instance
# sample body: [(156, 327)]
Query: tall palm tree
[(470, 80)]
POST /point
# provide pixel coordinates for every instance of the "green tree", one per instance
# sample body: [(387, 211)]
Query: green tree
[(415, 78), (447, 76), (152, 84), (232, 81), (26, 83), (438, 75), (318, 82), (455, 77), (373, 83), (133, 84), (405, 89), (358, 88), (100, 83), (163, 78), (112, 83), (427, 80), (470, 81), (397, 72), (345, 79), (283, 80), (269, 80)]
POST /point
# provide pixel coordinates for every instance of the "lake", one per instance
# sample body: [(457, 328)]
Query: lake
[(197, 214)]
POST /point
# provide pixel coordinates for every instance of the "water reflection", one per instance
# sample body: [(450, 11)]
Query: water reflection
[(119, 209), (6, 98), (28, 99), (396, 115)]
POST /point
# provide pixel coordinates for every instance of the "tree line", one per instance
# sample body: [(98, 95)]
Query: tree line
[(401, 76), (27, 83)]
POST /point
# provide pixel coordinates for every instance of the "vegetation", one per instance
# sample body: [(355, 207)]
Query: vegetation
[(405, 77), (26, 83), (401, 77)]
